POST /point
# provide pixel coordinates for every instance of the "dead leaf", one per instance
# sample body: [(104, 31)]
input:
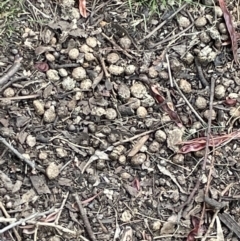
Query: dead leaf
[(82, 8), (6, 181), (138, 146), (39, 183), (42, 66), (42, 49)]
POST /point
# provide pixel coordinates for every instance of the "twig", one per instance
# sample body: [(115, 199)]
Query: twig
[(59, 66), (200, 73), (84, 217), (12, 225), (20, 97), (20, 156), (169, 71), (61, 208), (12, 81), (190, 106), (36, 9), (66, 230), (15, 67), (117, 46), (9, 217), (162, 24), (132, 138)]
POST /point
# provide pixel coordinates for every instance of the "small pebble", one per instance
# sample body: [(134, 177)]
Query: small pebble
[(79, 73), (220, 91), (91, 42), (160, 136), (206, 114), (52, 75), (49, 115), (61, 153), (63, 72), (113, 58), (185, 86), (200, 22), (125, 42), (138, 90), (138, 159), (130, 69), (39, 107), (183, 22), (115, 70), (201, 103), (9, 92), (124, 92), (73, 54), (86, 49), (52, 171), (111, 114), (68, 84), (142, 112), (86, 85), (89, 57), (50, 57)]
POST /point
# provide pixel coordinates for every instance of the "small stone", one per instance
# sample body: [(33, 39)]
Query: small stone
[(138, 159), (42, 155), (111, 114), (39, 107), (222, 28), (68, 84), (204, 37), (78, 95), (160, 136), (185, 86), (154, 147), (163, 75), (122, 159), (63, 72), (218, 11), (49, 115), (201, 103), (152, 72), (125, 175), (61, 153), (206, 114), (142, 112), (31, 140), (89, 57), (148, 101), (115, 70), (73, 54), (79, 73), (98, 111), (86, 85), (125, 42), (183, 22), (91, 42), (208, 2), (174, 138), (156, 225), (200, 22), (86, 49), (220, 91), (52, 171), (175, 65), (9, 92), (130, 69), (50, 57), (52, 75), (178, 159), (134, 103), (188, 58), (138, 90), (113, 58), (124, 92)]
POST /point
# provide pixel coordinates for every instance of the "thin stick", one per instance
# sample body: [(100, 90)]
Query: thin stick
[(133, 138), (36, 9), (61, 208), (9, 217), (162, 24), (117, 46), (85, 218), (12, 225), (15, 67), (20, 97), (169, 71), (20, 156), (190, 106)]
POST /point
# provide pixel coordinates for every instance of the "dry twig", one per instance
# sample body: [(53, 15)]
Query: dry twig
[(15, 67), (85, 218)]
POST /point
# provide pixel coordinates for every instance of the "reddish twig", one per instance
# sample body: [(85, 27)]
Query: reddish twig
[(15, 67)]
